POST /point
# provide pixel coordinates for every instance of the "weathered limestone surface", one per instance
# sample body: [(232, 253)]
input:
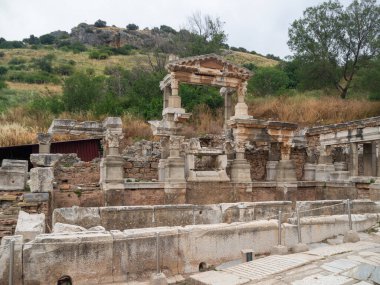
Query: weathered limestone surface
[(41, 179), (66, 228), (4, 260), (13, 175), (30, 225), (45, 159)]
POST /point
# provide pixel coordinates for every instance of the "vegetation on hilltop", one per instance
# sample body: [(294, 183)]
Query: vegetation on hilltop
[(98, 70)]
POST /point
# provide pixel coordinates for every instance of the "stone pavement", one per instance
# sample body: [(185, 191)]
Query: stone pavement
[(336, 264)]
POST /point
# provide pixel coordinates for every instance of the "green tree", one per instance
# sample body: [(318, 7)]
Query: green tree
[(268, 81), (328, 33), (100, 24), (369, 79), (81, 90), (132, 27)]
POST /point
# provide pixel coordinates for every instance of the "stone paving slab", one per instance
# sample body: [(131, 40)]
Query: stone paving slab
[(319, 279), (217, 278), (341, 248), (340, 265), (264, 267)]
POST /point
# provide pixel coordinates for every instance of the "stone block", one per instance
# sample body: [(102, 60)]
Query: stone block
[(309, 172), (240, 171), (322, 172), (66, 228), (299, 247), (271, 170), (35, 197), (158, 279), (279, 250), (45, 159), (13, 174), (351, 236), (339, 175), (41, 179), (86, 217), (4, 259), (286, 171), (30, 225)]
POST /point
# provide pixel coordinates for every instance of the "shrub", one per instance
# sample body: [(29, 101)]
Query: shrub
[(268, 80), (81, 90), (96, 54), (45, 63), (100, 24), (75, 47), (17, 61), (64, 69), (2, 54), (3, 70), (132, 27), (167, 29), (2, 84), (35, 77), (47, 39), (11, 44), (124, 50), (250, 66)]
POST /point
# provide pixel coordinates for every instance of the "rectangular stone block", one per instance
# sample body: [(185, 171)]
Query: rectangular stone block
[(124, 217), (30, 225), (35, 197), (41, 179)]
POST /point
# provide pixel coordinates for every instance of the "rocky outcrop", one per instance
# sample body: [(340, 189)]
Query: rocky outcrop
[(117, 37)]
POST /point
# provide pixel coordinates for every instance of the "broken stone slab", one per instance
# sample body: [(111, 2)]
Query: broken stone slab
[(35, 197), (96, 229), (30, 225), (15, 164), (66, 228), (86, 217), (45, 159), (41, 179), (300, 247)]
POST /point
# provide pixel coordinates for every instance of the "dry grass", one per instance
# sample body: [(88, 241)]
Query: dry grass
[(308, 111), (15, 134), (41, 88), (242, 58)]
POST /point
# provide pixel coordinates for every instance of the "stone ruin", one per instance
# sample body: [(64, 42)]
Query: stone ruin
[(180, 186)]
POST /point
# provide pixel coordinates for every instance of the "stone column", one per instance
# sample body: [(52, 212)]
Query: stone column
[(164, 147), (354, 160), (241, 108), (325, 165), (175, 182), (111, 166), (286, 170), (226, 93), (44, 142), (240, 168), (369, 159), (174, 99), (167, 92)]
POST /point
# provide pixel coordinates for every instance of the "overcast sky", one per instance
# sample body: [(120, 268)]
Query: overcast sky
[(259, 25)]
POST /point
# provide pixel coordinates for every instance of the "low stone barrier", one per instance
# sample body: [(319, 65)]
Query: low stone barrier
[(120, 256), (131, 217)]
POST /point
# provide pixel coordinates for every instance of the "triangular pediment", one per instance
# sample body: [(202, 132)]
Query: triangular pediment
[(208, 63)]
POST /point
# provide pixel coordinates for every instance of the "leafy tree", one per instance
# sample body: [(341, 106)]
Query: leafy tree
[(369, 79), (132, 27), (81, 90), (336, 38), (167, 29), (268, 81), (47, 39), (100, 24)]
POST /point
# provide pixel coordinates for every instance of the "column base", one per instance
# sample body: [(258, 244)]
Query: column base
[(240, 171), (286, 171)]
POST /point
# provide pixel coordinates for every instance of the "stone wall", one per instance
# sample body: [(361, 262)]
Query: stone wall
[(122, 256), (258, 160), (12, 202), (131, 217)]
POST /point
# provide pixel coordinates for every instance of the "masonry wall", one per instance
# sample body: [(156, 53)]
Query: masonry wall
[(121, 256)]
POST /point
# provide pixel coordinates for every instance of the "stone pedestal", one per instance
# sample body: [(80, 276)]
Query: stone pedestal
[(351, 237), (300, 247), (271, 168), (240, 171), (339, 175), (322, 172), (41, 179), (13, 174), (279, 250), (112, 173), (286, 171), (161, 169), (309, 171), (340, 166)]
